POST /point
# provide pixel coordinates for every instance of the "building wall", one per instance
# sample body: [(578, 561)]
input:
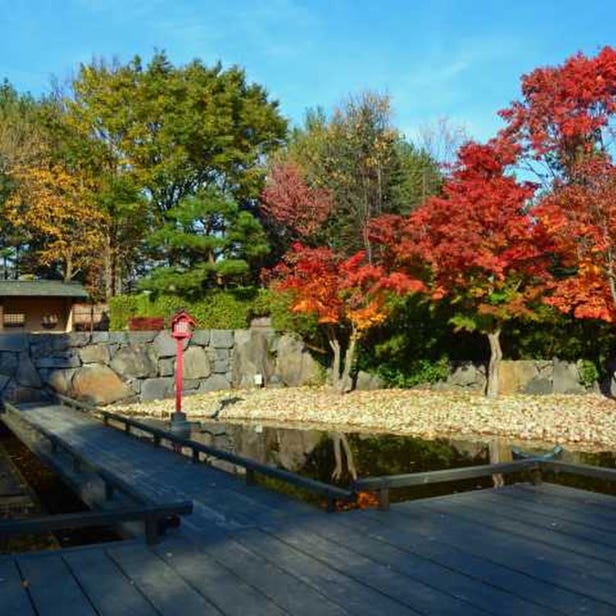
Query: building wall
[(34, 309)]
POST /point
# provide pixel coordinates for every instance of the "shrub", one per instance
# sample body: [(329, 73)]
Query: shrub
[(146, 323)]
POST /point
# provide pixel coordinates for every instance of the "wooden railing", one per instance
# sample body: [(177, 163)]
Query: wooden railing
[(154, 515), (331, 493), (382, 485)]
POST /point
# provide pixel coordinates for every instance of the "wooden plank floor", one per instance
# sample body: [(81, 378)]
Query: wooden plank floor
[(245, 550)]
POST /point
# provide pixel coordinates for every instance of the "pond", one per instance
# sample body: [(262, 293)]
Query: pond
[(337, 457)]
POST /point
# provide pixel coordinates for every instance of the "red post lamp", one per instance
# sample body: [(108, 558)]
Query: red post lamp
[(181, 330)]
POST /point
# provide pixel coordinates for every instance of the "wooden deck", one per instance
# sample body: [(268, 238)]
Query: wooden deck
[(519, 550)]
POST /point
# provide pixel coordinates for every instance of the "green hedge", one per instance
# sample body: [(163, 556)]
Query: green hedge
[(231, 309)]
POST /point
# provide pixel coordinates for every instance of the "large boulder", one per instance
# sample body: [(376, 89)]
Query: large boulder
[(514, 376), (196, 363), (215, 382), (59, 380), (157, 389), (364, 381), (26, 374), (94, 354), (566, 378), (465, 375), (134, 362), (99, 385), (221, 338), (165, 346), (294, 364), (252, 356)]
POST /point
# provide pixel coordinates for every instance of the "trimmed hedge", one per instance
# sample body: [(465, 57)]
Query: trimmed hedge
[(232, 309)]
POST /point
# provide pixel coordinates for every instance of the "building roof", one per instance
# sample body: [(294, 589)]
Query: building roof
[(41, 288)]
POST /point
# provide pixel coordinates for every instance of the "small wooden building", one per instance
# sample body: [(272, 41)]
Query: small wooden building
[(38, 305)]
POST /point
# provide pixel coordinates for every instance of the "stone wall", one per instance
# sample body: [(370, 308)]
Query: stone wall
[(107, 367), (519, 377)]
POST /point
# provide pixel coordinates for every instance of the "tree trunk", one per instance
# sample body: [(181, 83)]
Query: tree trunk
[(108, 269), (496, 354), (68, 268), (345, 384), (335, 346)]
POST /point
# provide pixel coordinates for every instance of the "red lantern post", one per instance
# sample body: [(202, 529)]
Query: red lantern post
[(181, 330)]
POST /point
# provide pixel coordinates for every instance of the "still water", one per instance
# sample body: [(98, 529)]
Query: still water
[(338, 457)]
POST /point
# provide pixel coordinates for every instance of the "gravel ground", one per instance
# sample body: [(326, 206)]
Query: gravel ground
[(580, 422)]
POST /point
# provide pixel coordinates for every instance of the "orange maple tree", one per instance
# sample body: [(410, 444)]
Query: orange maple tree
[(347, 296)]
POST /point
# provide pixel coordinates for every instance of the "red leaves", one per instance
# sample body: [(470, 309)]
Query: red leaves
[(290, 202), (474, 243), (564, 108), (580, 219), (337, 290)]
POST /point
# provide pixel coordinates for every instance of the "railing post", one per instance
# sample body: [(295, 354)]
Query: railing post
[(76, 464), (195, 455), (109, 491), (151, 529), (106, 419), (156, 440), (250, 477), (331, 504), (126, 427), (535, 475), (383, 497)]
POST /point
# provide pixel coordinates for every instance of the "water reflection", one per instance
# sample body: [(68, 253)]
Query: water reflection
[(340, 457)]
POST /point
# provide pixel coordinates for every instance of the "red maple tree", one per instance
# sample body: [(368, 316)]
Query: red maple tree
[(296, 207), (580, 219), (475, 245), (566, 111), (566, 118)]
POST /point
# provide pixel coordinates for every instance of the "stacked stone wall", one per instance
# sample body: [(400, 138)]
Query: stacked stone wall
[(108, 367)]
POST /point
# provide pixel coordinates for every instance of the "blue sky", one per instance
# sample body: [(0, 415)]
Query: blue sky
[(459, 59)]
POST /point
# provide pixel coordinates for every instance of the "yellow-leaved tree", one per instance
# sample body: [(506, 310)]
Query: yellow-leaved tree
[(55, 207)]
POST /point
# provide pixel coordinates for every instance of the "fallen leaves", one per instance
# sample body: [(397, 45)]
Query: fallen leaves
[(583, 421)]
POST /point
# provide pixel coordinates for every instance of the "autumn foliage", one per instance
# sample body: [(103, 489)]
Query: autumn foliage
[(475, 244), (580, 219), (54, 204), (294, 205), (565, 111), (343, 293)]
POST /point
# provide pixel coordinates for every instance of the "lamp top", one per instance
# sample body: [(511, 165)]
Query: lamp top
[(182, 315)]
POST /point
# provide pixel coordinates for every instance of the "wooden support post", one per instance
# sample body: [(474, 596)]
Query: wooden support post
[(195, 455), (127, 428), (535, 475), (156, 440), (151, 529), (383, 496), (109, 491), (250, 477), (331, 505), (106, 419)]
